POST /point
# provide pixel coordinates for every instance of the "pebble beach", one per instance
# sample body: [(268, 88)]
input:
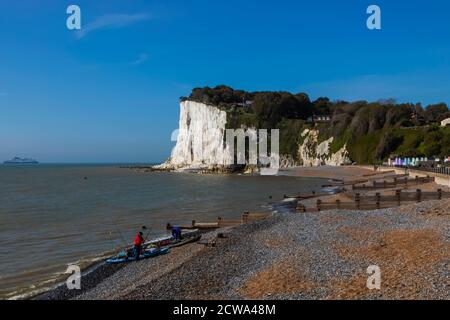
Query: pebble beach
[(290, 255)]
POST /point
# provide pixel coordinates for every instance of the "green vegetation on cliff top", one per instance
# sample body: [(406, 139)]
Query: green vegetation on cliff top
[(373, 131)]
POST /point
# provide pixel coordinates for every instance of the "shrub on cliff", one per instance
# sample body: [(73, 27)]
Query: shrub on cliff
[(432, 142), (436, 112), (290, 136), (387, 145), (368, 119), (411, 141), (271, 107), (219, 96)]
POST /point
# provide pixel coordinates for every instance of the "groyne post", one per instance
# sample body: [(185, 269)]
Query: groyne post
[(378, 199), (357, 201), (398, 193)]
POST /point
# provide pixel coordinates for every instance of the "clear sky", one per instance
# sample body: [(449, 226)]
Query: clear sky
[(110, 92)]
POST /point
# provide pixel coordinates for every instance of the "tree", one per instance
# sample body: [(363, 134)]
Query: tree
[(271, 107), (219, 95), (295, 107), (445, 143), (432, 143), (399, 115), (377, 117), (322, 106), (388, 143), (264, 105), (436, 112)]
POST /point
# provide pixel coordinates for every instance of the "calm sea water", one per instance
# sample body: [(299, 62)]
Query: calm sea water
[(51, 216)]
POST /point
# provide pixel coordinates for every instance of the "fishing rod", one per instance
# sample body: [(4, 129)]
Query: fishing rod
[(148, 232), (120, 233)]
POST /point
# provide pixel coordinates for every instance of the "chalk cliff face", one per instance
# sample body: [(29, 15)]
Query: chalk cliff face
[(200, 144), (200, 138), (287, 161), (312, 153)]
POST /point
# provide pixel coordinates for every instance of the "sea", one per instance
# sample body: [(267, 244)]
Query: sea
[(55, 215)]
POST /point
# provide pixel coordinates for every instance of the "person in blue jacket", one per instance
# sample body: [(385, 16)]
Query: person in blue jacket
[(176, 231)]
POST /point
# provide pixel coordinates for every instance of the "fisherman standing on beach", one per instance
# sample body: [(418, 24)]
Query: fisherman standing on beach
[(138, 242), (176, 231)]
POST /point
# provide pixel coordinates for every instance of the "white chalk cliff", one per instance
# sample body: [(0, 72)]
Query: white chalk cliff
[(200, 138), (312, 153), (200, 144)]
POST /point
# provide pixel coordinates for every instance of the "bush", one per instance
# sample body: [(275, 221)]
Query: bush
[(388, 143)]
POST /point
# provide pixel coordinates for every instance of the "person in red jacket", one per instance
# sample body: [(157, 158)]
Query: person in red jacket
[(138, 242)]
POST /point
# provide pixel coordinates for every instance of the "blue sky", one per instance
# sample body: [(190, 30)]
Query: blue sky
[(110, 92)]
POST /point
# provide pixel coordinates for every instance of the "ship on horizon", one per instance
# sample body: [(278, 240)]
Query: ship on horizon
[(18, 160)]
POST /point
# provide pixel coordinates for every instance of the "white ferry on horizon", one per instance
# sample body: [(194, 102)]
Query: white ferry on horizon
[(18, 160)]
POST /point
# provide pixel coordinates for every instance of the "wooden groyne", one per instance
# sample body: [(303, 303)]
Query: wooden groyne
[(397, 181), (377, 173), (373, 177), (440, 178), (306, 196), (246, 217), (382, 188), (393, 189), (377, 201)]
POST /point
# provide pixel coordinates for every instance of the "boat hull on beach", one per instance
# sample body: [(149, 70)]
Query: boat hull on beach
[(156, 247), (147, 254)]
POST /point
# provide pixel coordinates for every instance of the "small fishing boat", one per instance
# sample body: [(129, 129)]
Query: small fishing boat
[(124, 257), (167, 240), (156, 247), (182, 242)]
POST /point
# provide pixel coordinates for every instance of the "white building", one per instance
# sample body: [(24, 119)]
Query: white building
[(323, 118)]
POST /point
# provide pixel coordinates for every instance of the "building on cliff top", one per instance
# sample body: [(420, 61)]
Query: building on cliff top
[(321, 118)]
